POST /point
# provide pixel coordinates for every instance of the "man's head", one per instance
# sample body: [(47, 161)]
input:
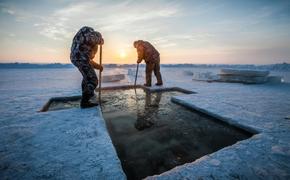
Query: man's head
[(101, 41), (100, 37), (136, 43)]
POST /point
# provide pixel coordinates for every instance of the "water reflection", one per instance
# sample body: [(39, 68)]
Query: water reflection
[(145, 116), (152, 135)]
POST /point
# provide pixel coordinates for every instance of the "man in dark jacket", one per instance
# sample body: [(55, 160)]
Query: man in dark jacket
[(152, 59), (83, 50)]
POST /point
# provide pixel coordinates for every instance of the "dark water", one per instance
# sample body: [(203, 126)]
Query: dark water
[(153, 135)]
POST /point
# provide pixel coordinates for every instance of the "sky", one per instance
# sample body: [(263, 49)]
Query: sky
[(183, 31)]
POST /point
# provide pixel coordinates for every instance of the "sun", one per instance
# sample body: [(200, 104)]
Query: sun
[(122, 54)]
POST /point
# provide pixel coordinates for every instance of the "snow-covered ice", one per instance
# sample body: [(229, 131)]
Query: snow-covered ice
[(74, 143), (67, 144), (113, 75), (132, 72)]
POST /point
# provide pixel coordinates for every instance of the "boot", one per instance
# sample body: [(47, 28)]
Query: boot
[(159, 84), (88, 104), (85, 102), (148, 85)]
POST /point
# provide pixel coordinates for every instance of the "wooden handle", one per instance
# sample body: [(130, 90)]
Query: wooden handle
[(100, 74), (136, 74)]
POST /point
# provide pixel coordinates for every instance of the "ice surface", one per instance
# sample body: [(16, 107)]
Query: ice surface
[(245, 72), (188, 73), (205, 76), (275, 79), (67, 144), (74, 144), (113, 74), (113, 77), (243, 76), (132, 72), (246, 76)]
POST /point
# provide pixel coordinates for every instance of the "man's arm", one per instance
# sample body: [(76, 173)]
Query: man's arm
[(96, 65), (140, 51), (95, 38)]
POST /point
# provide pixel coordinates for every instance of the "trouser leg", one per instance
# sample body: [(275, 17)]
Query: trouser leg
[(83, 85), (149, 69), (157, 72), (89, 82), (85, 96)]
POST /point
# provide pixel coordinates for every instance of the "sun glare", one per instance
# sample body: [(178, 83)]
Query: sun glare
[(122, 54)]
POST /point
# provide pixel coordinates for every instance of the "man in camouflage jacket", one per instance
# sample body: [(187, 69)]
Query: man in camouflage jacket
[(152, 59), (83, 50)]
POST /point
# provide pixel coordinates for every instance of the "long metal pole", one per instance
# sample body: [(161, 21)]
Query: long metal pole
[(136, 75), (137, 104), (100, 74)]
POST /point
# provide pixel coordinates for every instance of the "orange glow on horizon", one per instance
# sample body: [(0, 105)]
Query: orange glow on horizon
[(122, 54)]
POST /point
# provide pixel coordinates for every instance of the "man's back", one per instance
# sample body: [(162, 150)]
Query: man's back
[(147, 51), (84, 45)]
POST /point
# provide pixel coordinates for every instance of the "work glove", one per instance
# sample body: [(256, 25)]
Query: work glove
[(102, 41), (101, 68)]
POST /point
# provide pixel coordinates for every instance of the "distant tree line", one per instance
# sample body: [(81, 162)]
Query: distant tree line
[(273, 67), (270, 67), (31, 66)]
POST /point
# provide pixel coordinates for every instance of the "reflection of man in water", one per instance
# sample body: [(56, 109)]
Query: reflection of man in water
[(145, 118)]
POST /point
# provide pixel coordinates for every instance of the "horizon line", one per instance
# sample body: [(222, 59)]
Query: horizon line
[(142, 63)]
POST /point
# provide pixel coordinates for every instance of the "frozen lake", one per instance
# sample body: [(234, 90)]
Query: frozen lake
[(57, 80), (41, 145)]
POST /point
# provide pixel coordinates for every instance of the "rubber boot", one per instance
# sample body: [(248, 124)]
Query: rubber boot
[(148, 85), (85, 103), (158, 75)]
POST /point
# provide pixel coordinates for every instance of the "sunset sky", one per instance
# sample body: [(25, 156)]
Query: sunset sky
[(193, 31)]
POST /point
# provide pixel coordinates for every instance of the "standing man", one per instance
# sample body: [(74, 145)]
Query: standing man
[(151, 56), (83, 50)]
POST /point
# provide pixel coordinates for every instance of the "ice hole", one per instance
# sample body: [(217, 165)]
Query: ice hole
[(151, 134)]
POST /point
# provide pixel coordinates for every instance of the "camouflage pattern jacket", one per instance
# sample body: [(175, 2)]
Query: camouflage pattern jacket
[(85, 44), (147, 52)]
